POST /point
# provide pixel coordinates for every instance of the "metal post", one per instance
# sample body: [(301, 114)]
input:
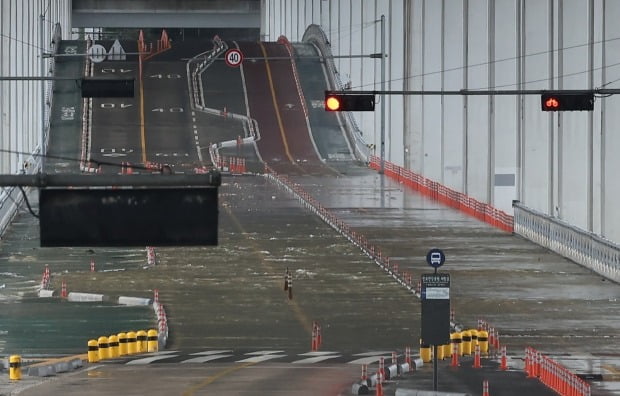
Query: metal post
[(435, 367), (42, 46), (382, 95)]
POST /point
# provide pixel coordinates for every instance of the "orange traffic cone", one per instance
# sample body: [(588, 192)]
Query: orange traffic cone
[(504, 363), (379, 388), (485, 388), (477, 357), (455, 355)]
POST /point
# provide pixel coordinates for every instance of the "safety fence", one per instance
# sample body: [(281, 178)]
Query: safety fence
[(45, 291), (554, 375), (592, 251), (373, 252), (87, 120), (457, 200)]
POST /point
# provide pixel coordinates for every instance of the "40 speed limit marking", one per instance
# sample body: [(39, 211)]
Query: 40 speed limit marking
[(233, 57)]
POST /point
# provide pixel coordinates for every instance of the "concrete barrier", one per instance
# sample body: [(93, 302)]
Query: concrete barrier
[(415, 392), (44, 293), (43, 370), (132, 301), (360, 389), (391, 372), (84, 297), (47, 369)]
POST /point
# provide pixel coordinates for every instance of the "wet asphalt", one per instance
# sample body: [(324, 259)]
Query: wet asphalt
[(231, 296)]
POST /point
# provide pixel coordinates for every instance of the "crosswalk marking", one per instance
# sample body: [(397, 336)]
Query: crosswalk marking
[(367, 360), (315, 359), (374, 353), (151, 359), (214, 352), (260, 358), (204, 359), (318, 353), (262, 353)]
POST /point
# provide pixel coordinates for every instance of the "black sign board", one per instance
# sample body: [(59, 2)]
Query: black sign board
[(435, 295), (128, 216)]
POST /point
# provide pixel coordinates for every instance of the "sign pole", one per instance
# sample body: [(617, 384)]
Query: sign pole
[(435, 296), (435, 367)]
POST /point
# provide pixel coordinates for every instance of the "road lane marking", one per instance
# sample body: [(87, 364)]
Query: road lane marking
[(318, 353), (366, 360), (375, 353), (261, 358), (275, 104), (149, 360), (269, 352), (142, 130), (212, 352), (204, 359), (315, 359)]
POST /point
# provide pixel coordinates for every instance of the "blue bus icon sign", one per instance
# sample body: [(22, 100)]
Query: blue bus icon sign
[(435, 258)]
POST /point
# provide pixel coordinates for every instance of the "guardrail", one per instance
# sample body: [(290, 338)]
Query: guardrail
[(585, 248), (457, 200), (315, 35)]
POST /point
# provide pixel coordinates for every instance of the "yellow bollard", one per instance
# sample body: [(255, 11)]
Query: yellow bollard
[(93, 351), (474, 339), (425, 352), (141, 337), (15, 367), (455, 338), (122, 344), (447, 351), (132, 345), (466, 336), (113, 346), (483, 341), (152, 343), (440, 353), (104, 352)]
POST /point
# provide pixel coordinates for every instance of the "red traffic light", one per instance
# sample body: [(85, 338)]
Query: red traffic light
[(552, 103), (562, 101)]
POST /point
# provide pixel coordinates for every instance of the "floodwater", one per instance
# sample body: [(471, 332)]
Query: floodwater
[(231, 295)]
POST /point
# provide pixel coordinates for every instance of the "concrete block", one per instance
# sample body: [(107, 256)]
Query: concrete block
[(76, 364), (41, 371), (62, 367), (360, 389)]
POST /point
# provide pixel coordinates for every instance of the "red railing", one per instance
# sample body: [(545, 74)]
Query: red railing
[(480, 210)]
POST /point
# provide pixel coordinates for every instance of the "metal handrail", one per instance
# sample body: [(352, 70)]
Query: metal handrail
[(585, 248)]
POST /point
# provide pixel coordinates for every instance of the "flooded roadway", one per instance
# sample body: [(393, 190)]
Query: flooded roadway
[(231, 296)]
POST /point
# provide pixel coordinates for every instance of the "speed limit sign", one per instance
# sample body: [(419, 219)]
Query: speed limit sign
[(233, 57)]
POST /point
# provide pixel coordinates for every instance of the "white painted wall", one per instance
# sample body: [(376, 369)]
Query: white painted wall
[(499, 148), (20, 56)]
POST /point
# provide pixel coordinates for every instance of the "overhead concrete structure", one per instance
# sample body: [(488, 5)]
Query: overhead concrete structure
[(493, 148), (162, 13)]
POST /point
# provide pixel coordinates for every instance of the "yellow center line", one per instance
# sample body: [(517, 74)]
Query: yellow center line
[(215, 377), (275, 103), (301, 317), (142, 131)]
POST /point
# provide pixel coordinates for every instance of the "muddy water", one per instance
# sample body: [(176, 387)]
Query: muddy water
[(231, 296)]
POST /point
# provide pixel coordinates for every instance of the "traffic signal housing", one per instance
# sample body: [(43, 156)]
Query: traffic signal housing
[(349, 101), (562, 101)]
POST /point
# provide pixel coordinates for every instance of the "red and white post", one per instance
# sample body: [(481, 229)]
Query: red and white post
[(504, 360)]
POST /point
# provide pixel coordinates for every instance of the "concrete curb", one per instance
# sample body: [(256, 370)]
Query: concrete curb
[(49, 368)]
